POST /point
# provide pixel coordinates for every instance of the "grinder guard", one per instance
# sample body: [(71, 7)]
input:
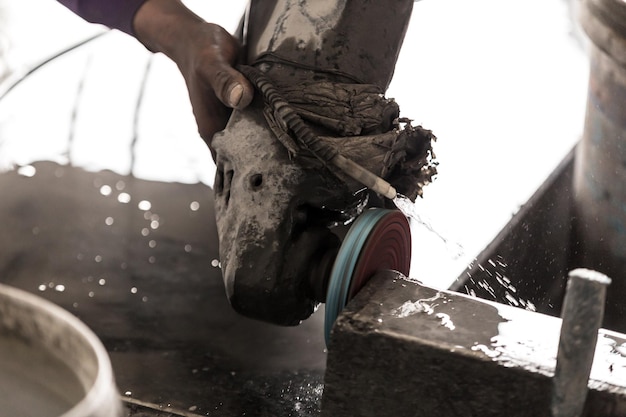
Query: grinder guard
[(275, 201)]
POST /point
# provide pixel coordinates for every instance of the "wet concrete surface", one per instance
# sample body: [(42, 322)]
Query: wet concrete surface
[(404, 349), (137, 262)]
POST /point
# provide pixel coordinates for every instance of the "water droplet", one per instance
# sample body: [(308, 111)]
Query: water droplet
[(108, 221), (102, 281), (144, 205), (75, 304), (123, 198), (51, 285), (152, 259), (105, 190), (98, 258), (27, 171), (193, 408), (621, 349), (144, 299), (128, 393), (119, 186), (147, 215), (512, 300), (194, 206), (133, 290), (154, 224), (491, 353), (424, 305), (145, 231), (445, 320), (188, 248), (42, 287), (152, 243), (91, 294), (59, 288), (215, 263)]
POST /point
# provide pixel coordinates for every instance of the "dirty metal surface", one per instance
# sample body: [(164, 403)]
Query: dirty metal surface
[(145, 278), (359, 40)]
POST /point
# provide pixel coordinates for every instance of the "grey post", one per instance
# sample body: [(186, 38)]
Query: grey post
[(582, 313)]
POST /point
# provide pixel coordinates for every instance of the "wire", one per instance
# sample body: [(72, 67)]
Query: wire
[(48, 60)]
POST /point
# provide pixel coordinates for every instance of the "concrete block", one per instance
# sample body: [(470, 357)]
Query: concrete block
[(404, 349)]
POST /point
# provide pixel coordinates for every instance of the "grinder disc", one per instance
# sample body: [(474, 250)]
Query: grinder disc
[(378, 239)]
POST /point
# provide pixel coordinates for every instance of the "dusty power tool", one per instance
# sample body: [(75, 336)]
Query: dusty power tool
[(378, 239), (318, 148)]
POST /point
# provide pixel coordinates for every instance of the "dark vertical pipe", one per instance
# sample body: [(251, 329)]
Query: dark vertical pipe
[(600, 164)]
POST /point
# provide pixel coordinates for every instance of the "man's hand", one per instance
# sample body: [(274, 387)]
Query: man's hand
[(205, 54)]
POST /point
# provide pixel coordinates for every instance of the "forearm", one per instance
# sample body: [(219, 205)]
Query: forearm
[(168, 26), (117, 14)]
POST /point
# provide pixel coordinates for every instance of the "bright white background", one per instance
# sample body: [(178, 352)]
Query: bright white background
[(501, 83)]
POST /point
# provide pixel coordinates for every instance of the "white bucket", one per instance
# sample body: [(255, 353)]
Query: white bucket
[(51, 363)]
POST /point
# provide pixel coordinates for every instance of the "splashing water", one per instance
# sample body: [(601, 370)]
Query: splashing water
[(493, 271), (409, 209)]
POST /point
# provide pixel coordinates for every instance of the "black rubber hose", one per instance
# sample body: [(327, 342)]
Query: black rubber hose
[(286, 113)]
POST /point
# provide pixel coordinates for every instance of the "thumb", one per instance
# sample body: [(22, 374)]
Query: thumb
[(232, 88)]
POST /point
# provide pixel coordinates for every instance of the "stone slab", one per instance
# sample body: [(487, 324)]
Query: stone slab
[(404, 349)]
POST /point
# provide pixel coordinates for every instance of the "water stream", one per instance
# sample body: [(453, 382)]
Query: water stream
[(410, 210)]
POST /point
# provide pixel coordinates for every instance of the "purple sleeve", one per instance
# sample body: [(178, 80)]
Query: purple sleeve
[(117, 14)]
